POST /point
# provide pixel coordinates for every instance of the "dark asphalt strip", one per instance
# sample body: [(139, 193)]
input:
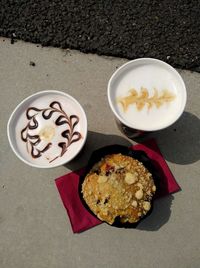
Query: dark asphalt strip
[(165, 29)]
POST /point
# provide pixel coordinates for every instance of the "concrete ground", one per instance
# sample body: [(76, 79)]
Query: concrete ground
[(34, 229)]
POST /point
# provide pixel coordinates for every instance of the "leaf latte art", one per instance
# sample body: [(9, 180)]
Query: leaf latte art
[(142, 98)]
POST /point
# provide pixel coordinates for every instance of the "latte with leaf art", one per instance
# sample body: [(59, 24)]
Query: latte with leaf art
[(146, 95), (49, 128)]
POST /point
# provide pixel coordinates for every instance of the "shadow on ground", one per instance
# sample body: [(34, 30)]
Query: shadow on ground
[(179, 143), (94, 141)]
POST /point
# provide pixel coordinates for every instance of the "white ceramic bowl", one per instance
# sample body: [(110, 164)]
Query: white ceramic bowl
[(41, 100), (148, 73)]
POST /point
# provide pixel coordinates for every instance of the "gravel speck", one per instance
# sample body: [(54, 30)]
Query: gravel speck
[(32, 63)]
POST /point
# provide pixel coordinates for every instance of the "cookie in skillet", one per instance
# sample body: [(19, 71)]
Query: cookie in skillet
[(119, 186)]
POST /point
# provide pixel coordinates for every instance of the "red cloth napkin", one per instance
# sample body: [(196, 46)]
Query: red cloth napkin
[(80, 218)]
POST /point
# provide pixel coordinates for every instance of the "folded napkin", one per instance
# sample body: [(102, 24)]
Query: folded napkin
[(80, 218)]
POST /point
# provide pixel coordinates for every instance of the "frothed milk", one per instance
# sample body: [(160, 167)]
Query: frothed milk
[(50, 129), (147, 95)]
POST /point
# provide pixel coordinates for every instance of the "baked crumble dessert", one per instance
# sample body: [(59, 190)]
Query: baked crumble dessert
[(118, 186)]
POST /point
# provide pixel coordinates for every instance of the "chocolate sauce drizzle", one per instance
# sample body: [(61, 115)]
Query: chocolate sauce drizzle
[(69, 134)]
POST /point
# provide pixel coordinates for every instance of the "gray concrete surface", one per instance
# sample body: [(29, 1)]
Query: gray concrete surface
[(34, 229)]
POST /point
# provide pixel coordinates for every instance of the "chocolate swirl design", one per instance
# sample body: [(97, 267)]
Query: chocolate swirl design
[(69, 134)]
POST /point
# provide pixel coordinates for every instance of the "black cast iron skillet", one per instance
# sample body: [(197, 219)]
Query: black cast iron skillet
[(114, 149)]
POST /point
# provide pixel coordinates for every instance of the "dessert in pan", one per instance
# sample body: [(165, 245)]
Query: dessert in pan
[(119, 185)]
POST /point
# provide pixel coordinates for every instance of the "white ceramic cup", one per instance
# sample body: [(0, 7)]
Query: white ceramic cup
[(155, 76), (71, 120)]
